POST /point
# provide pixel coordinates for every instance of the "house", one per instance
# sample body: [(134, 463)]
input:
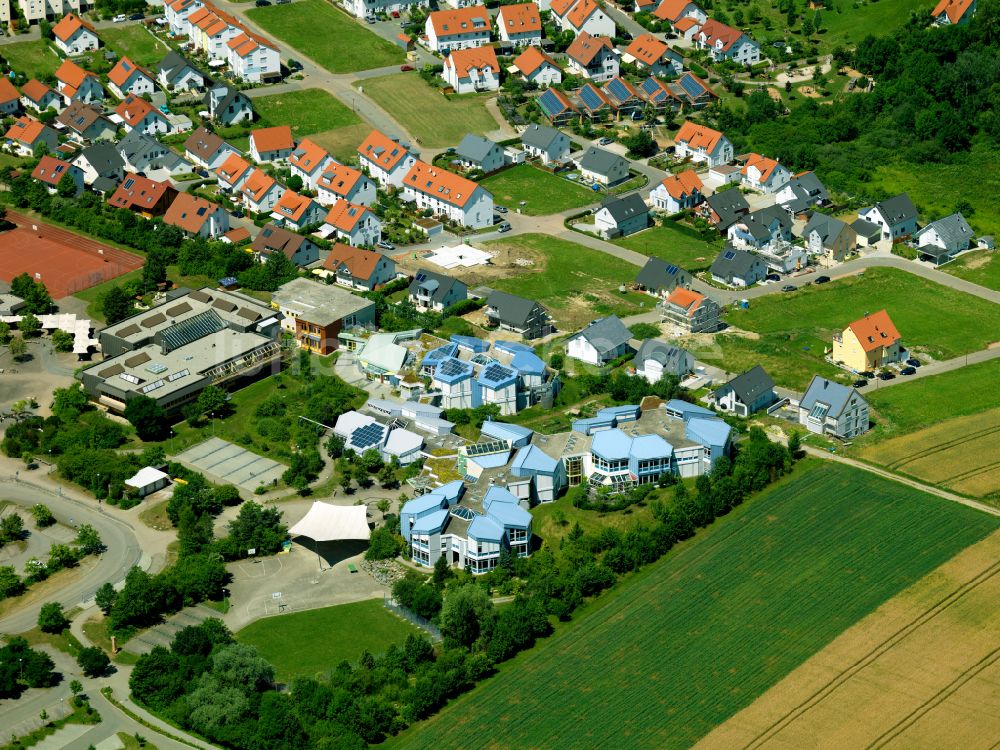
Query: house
[(600, 342), (674, 11), (341, 183), (738, 268), (945, 238), (868, 343), (659, 278), (102, 166), (726, 43), (385, 159), (534, 66), (659, 95), (545, 144), (297, 211), (761, 228), (85, 123), (829, 408), (476, 152), (233, 173), (625, 99), (147, 481), (435, 291), (197, 217), (298, 249), (27, 134), (725, 209), (10, 98), (37, 95), (829, 238), (177, 12), (74, 36), (77, 84), (525, 317), (582, 17), (747, 393), (315, 313), (460, 28), (208, 150), (175, 73), (691, 91), (236, 237), (653, 55), (803, 192), (520, 25), (764, 174), (953, 12), (656, 358), (143, 153), (308, 161), (143, 195), (357, 268), (868, 234), (52, 171), (227, 106), (261, 192), (472, 70), (271, 144), (373, 8), (897, 217), (128, 78), (620, 217), (603, 167), (139, 115), (557, 107), (690, 311), (678, 192), (593, 102), (253, 58), (352, 223), (592, 57), (448, 194), (702, 145)]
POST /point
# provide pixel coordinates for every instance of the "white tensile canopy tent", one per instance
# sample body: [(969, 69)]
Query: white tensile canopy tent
[(328, 523)]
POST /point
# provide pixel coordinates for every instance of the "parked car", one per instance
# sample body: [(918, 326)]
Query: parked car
[(294, 66), (908, 371), (262, 3), (238, 213), (821, 279), (500, 209), (772, 277), (386, 245), (281, 2), (605, 141), (406, 68), (136, 17), (867, 374), (504, 227), (913, 362), (887, 375), (788, 288), (371, 20), (120, 18), (395, 14), (860, 383)]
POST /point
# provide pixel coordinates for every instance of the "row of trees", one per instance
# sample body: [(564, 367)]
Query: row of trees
[(60, 557)]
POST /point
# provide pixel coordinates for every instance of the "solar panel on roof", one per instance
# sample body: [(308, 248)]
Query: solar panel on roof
[(590, 97), (497, 372), (452, 367), (178, 375), (128, 378), (484, 449), (153, 386), (729, 255), (618, 89), (364, 437), (551, 103), (156, 368), (691, 86), (192, 329), (672, 269)]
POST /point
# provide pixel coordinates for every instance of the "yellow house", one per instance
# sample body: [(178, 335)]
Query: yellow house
[(868, 343)]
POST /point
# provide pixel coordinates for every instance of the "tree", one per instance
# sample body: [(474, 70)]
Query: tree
[(62, 340), (88, 540), (93, 661), (442, 572), (115, 305), (383, 505), (36, 297), (45, 28), (467, 614), (335, 446), (147, 416), (371, 460), (794, 444), (69, 403), (18, 348), (645, 331), (42, 515), (29, 325), (10, 583), (4, 333), (105, 598), (51, 618), (639, 144), (383, 545), (11, 528), (75, 687), (154, 270), (67, 186), (213, 400)]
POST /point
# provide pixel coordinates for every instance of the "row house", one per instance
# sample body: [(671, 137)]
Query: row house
[(33, 11), (386, 160), (450, 195), (340, 182), (448, 30)]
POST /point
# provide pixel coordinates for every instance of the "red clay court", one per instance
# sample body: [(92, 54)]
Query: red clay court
[(65, 262)]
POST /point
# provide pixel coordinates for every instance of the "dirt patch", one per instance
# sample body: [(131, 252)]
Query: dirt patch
[(773, 93), (809, 91)]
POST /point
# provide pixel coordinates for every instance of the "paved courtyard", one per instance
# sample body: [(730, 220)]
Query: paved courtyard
[(230, 464)]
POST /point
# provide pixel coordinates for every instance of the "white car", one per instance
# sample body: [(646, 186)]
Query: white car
[(120, 18)]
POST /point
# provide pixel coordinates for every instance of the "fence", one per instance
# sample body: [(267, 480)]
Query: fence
[(413, 619)]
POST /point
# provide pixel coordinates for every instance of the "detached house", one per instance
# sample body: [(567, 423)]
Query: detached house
[(593, 57), (208, 150), (338, 182), (953, 12), (726, 43), (534, 66), (297, 211), (228, 106), (520, 25), (175, 73), (659, 278), (476, 152), (233, 172), (472, 70), (143, 195), (450, 195), (690, 311), (897, 217), (102, 166), (128, 78), (761, 229), (463, 28), (261, 192), (308, 161), (74, 36), (829, 408), (678, 192), (655, 358), (435, 291), (545, 144), (582, 17), (386, 159), (77, 84), (197, 217), (143, 153), (27, 134), (52, 171), (85, 123), (802, 193), (653, 55), (945, 238), (139, 115), (868, 343), (747, 393), (702, 145), (525, 317), (724, 209), (352, 223), (738, 268), (673, 11), (273, 239), (10, 98), (620, 217), (603, 167), (829, 238), (356, 268), (764, 174), (600, 342), (37, 95), (271, 144)]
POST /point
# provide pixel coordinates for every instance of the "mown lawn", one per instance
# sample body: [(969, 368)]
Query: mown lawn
[(134, 42), (300, 644), (686, 644), (674, 244), (436, 122), (307, 111), (343, 142), (326, 35), (980, 267), (34, 59), (542, 192)]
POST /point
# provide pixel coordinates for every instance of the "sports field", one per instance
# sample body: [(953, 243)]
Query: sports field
[(695, 638), (542, 192)]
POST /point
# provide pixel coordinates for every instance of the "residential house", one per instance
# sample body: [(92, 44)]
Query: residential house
[(227, 106), (85, 123), (36, 95), (34, 11), (673, 11), (869, 343), (692, 92), (338, 182), (102, 166), (373, 8), (659, 278), (271, 144), (212, 29), (600, 342), (143, 195), (690, 311), (207, 149), (829, 238), (945, 238), (26, 134), (868, 234), (128, 78), (726, 43), (143, 153), (829, 408), (738, 268), (582, 17), (782, 256), (534, 66), (953, 12), (678, 192), (77, 84), (261, 192), (592, 57), (557, 107), (74, 36), (594, 103), (447, 194), (520, 25), (622, 216), (460, 28), (764, 174), (177, 12), (236, 237), (603, 167), (660, 95), (197, 217), (724, 209), (10, 98), (525, 317), (315, 313), (51, 171), (253, 58), (308, 161), (233, 173), (297, 211), (656, 358), (352, 223), (747, 393), (896, 216), (545, 144), (435, 291), (385, 159), (653, 55), (702, 145), (802, 193), (176, 74), (472, 70), (138, 114), (476, 152), (625, 99), (357, 268), (272, 238), (761, 228)]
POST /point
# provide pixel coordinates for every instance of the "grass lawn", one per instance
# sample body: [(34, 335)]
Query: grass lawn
[(136, 43), (576, 284), (436, 122), (343, 142), (679, 648), (35, 59), (543, 192), (326, 35), (980, 267), (674, 244), (307, 111), (301, 644)]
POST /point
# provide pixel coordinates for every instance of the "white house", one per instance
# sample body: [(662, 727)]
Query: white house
[(582, 16), (308, 161), (207, 149), (472, 70), (261, 192), (385, 159), (197, 216), (654, 359), (352, 223), (228, 106), (450, 195), (339, 182), (896, 217), (520, 25), (36, 95), (545, 144), (726, 43), (943, 239), (177, 12), (177, 74), (534, 66), (620, 217), (476, 152), (600, 342), (673, 11), (461, 28), (74, 36), (764, 174), (271, 144), (253, 58), (829, 408), (371, 8), (702, 145), (77, 84), (593, 57), (654, 56), (128, 78), (138, 114), (297, 211), (678, 192), (233, 173)]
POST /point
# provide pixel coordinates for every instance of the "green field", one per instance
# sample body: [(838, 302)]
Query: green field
[(33, 59), (308, 111), (136, 43), (542, 192), (980, 267), (302, 644), (433, 120), (327, 36), (343, 142), (675, 244), (687, 643)]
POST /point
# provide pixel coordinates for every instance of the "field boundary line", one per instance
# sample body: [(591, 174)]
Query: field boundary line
[(930, 451), (973, 472)]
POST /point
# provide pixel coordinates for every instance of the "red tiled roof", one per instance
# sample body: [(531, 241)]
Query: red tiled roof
[(474, 58), (233, 168), (278, 138), (189, 212), (585, 47), (531, 60), (686, 23), (561, 7), (382, 150), (670, 10), (68, 26), (954, 9), (237, 235), (697, 136), (763, 164), (26, 130), (292, 206), (134, 109), (137, 192), (713, 31), (72, 76), (257, 185), (50, 170), (875, 330), (461, 21), (8, 92), (441, 184), (361, 263), (682, 184), (119, 74), (686, 299), (35, 90), (339, 179), (647, 49), (307, 156), (519, 19), (581, 12), (345, 215)]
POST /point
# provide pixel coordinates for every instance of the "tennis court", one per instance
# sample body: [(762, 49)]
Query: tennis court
[(230, 464)]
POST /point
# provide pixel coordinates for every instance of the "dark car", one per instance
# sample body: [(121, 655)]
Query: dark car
[(262, 3), (788, 288), (913, 362), (860, 383), (867, 374), (294, 66), (908, 371), (772, 277), (821, 279), (887, 376), (406, 68), (137, 16)]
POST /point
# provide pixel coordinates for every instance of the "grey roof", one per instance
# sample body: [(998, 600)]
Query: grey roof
[(474, 148), (866, 229), (732, 263), (828, 227), (953, 230), (226, 95), (749, 385), (605, 334), (599, 161), (658, 274), (173, 64), (103, 157), (729, 205), (808, 191), (438, 282), (539, 136), (104, 185), (326, 304), (511, 309), (136, 145), (834, 395), (625, 208), (667, 355), (897, 209)]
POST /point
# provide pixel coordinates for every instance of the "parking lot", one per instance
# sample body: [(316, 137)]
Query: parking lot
[(225, 462)]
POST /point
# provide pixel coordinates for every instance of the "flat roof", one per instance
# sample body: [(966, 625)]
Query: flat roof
[(321, 304)]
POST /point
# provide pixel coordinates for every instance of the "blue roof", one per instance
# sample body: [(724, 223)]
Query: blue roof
[(470, 342), (531, 459), (496, 494), (691, 85), (496, 375), (591, 98), (650, 446), (611, 445), (586, 426), (452, 370), (437, 355), (528, 363), (687, 409), (503, 507), (504, 431), (629, 411), (707, 431), (431, 523), (491, 460), (450, 491), (485, 529), (422, 504), (512, 347), (551, 104)]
